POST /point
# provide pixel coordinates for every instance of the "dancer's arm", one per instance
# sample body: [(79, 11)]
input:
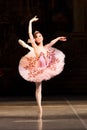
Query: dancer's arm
[(62, 38), (21, 42), (30, 31)]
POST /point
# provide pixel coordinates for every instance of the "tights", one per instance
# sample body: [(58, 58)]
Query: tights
[(38, 95)]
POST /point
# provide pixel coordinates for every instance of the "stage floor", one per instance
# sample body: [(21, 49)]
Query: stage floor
[(61, 114)]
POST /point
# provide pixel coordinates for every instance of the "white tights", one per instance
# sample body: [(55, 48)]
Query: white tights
[(38, 95)]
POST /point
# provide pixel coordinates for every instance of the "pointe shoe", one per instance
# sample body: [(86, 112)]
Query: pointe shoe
[(40, 114)]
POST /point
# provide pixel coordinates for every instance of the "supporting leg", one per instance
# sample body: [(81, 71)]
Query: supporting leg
[(38, 94)]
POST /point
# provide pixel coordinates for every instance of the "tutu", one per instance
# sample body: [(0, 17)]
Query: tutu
[(37, 69)]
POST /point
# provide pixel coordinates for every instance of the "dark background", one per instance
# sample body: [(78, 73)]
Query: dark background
[(56, 18)]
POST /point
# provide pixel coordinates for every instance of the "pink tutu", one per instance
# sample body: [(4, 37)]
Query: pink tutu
[(42, 68)]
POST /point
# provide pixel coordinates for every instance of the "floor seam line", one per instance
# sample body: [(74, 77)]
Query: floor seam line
[(77, 115)]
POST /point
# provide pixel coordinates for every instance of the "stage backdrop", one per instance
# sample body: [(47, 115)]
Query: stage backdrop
[(56, 18)]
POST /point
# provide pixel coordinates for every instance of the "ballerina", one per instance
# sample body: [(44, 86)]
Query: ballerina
[(42, 62)]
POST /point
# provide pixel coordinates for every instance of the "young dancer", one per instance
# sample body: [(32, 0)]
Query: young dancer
[(42, 62)]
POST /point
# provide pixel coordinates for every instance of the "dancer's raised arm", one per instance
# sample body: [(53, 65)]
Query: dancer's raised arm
[(32, 40), (30, 27), (62, 38)]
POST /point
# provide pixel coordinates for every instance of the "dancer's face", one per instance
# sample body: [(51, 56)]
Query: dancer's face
[(39, 38)]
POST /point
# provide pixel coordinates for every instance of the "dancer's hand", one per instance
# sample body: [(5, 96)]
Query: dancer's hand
[(62, 38), (34, 19)]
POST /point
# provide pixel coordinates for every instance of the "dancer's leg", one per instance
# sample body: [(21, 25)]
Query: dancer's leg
[(38, 94)]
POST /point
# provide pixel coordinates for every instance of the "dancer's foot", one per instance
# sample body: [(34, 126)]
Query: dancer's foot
[(40, 113)]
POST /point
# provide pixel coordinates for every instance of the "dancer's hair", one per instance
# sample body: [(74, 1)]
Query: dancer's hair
[(35, 33)]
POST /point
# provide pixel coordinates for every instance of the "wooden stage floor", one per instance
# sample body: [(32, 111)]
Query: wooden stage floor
[(61, 114)]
